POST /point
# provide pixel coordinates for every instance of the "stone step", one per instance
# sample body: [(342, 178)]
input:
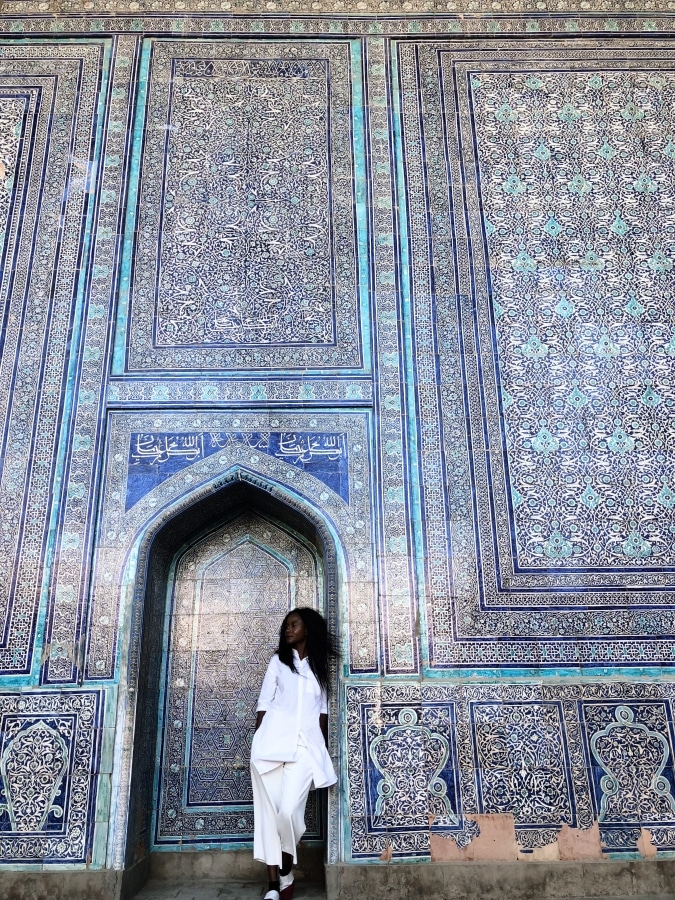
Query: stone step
[(159, 889)]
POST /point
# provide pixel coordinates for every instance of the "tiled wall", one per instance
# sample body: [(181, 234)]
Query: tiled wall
[(388, 305)]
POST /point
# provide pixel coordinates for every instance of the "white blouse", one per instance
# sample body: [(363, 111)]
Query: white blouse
[(292, 702)]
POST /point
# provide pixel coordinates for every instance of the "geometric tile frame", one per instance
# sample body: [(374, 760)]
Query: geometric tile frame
[(546, 617), (286, 241)]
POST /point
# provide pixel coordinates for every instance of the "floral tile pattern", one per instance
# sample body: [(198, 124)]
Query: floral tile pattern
[(407, 278), (554, 353), (244, 250), (49, 757)]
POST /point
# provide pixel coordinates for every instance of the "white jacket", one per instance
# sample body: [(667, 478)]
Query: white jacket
[(292, 702)]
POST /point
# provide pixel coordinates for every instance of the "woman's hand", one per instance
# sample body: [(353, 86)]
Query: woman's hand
[(258, 720)]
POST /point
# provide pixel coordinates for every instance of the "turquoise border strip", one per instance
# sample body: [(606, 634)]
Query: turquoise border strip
[(418, 601), (493, 675), (95, 174), (119, 347), (361, 200)]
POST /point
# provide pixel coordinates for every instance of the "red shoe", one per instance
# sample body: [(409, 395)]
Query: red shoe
[(286, 886)]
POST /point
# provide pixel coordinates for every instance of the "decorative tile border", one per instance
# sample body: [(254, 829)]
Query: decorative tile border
[(49, 759), (549, 755), (334, 7), (569, 24), (261, 392), (73, 549)]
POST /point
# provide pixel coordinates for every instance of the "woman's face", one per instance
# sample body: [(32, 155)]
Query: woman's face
[(294, 630)]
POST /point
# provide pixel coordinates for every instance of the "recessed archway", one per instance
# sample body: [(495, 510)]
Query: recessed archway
[(240, 531)]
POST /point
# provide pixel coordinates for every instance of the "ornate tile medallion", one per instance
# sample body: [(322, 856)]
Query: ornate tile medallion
[(49, 754)]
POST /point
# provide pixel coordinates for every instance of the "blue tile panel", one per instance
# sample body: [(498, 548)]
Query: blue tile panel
[(629, 749), (544, 388), (434, 316), (50, 97), (549, 755), (50, 747), (403, 772), (245, 248)]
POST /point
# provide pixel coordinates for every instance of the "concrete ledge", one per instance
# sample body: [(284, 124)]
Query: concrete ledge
[(85, 884), (500, 880)]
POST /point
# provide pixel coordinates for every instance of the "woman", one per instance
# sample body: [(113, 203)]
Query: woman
[(289, 754)]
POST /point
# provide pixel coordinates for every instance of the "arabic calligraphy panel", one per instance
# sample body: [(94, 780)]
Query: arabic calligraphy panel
[(155, 457), (245, 253)]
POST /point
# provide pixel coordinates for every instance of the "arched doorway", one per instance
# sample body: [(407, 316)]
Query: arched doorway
[(219, 577), (228, 594)]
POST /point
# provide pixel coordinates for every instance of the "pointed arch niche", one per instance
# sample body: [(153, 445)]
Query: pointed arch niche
[(220, 576), (159, 507)]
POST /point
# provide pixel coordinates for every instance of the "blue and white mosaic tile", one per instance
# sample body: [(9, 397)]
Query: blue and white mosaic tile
[(548, 372), (419, 293), (548, 755), (49, 759), (246, 243)]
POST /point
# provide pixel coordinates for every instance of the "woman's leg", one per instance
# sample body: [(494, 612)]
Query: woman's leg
[(296, 782), (267, 792)]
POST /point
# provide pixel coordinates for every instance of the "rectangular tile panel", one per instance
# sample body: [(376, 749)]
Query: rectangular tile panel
[(544, 376), (426, 761), (50, 745), (49, 101), (248, 247)]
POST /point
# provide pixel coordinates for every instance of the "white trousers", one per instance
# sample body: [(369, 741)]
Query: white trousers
[(279, 800)]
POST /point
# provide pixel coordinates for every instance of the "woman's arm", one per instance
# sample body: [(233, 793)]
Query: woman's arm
[(323, 725), (267, 691)]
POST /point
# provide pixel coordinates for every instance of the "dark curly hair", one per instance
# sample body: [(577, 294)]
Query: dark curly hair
[(321, 645)]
